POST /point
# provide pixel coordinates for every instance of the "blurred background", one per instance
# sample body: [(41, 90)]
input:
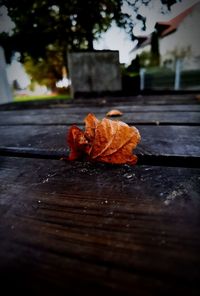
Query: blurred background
[(157, 40)]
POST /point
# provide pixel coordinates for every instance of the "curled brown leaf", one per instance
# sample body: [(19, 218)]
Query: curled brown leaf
[(104, 141), (114, 112)]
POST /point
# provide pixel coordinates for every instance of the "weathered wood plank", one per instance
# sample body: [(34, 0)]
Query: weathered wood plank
[(129, 229), (170, 99), (156, 140), (76, 227), (129, 108), (163, 99), (143, 159), (79, 109), (60, 117)]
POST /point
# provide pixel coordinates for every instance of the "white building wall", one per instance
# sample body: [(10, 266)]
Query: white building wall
[(186, 36)]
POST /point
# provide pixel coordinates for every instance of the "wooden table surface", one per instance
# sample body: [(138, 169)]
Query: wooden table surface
[(78, 228)]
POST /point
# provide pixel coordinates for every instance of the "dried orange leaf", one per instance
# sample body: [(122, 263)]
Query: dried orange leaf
[(105, 131), (77, 142), (105, 141), (114, 112), (114, 142), (90, 125)]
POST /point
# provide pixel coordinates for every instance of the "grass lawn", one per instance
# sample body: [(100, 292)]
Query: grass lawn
[(36, 98)]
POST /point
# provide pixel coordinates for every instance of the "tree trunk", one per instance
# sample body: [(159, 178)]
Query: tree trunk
[(90, 40)]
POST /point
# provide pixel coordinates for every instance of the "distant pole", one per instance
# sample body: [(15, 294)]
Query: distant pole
[(142, 78), (177, 81)]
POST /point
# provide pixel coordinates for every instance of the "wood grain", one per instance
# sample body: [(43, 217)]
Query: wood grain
[(62, 233), (52, 117), (156, 140), (76, 228)]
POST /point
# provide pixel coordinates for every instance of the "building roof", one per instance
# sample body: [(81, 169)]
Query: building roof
[(143, 41), (165, 28)]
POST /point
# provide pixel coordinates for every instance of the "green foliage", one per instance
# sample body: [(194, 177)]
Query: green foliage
[(45, 71), (145, 59), (134, 66), (19, 99), (46, 30), (71, 24)]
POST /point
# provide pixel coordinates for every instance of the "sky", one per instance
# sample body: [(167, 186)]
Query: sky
[(114, 39)]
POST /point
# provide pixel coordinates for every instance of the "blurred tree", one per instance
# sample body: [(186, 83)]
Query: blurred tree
[(134, 66), (134, 9), (96, 16), (145, 59), (168, 3), (61, 26), (71, 24), (45, 71), (58, 25), (135, 5)]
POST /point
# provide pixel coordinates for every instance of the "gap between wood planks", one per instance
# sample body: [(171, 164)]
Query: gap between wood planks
[(129, 123), (143, 159)]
